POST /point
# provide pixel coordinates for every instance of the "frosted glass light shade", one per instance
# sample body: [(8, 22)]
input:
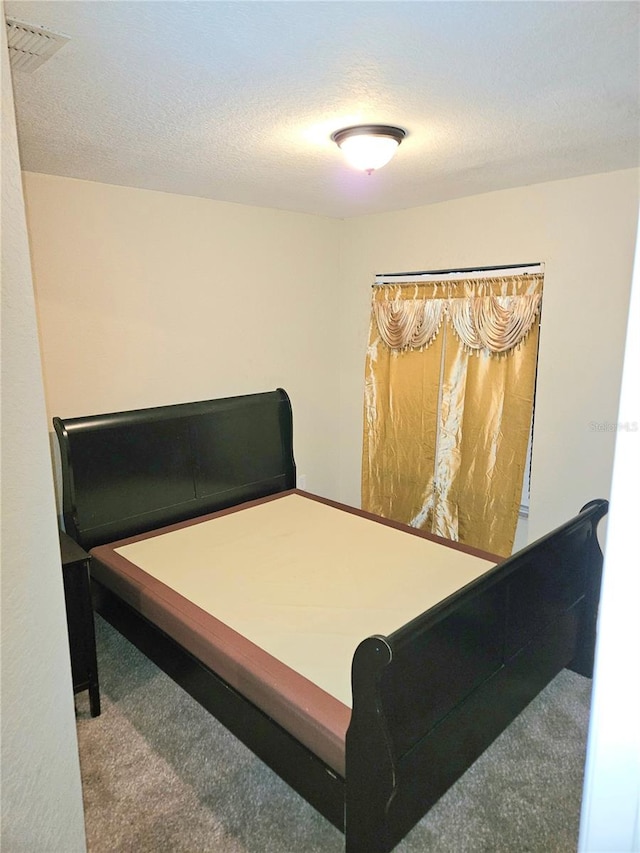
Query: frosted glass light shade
[(368, 147)]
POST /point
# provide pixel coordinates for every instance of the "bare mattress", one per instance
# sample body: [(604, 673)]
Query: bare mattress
[(276, 595)]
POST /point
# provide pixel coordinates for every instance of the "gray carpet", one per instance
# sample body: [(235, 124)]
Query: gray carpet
[(160, 774)]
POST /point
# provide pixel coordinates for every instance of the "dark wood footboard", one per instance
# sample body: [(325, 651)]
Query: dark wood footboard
[(429, 699)]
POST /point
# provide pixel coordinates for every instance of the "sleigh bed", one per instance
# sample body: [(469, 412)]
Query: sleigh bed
[(365, 662)]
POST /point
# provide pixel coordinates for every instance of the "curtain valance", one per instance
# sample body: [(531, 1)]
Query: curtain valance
[(492, 315)]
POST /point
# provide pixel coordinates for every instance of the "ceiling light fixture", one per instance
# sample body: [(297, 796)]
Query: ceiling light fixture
[(369, 146)]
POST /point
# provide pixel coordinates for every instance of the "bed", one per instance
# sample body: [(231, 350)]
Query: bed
[(367, 663)]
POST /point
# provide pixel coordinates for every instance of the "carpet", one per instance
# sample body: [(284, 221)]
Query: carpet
[(160, 775)]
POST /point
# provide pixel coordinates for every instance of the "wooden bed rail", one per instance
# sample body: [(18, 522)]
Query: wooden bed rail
[(468, 665)]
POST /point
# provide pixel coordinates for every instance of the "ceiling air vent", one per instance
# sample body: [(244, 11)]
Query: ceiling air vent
[(30, 46)]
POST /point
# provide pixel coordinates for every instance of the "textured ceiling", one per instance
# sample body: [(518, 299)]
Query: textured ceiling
[(237, 100)]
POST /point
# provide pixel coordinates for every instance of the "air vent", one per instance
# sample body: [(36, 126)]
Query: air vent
[(30, 46)]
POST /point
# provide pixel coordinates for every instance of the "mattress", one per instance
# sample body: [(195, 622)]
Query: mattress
[(276, 596)]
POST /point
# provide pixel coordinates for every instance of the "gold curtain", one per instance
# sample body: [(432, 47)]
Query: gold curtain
[(448, 405)]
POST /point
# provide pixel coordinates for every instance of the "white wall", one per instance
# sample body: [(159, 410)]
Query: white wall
[(146, 298), (584, 232), (41, 794), (611, 804)]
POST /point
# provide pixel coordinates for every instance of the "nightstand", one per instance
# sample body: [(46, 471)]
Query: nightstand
[(82, 636)]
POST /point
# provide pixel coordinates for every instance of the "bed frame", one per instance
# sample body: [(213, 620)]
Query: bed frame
[(427, 699)]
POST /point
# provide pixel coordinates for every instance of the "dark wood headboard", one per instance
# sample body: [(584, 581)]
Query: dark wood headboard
[(129, 472)]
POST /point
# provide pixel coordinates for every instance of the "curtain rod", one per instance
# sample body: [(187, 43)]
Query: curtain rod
[(453, 272)]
